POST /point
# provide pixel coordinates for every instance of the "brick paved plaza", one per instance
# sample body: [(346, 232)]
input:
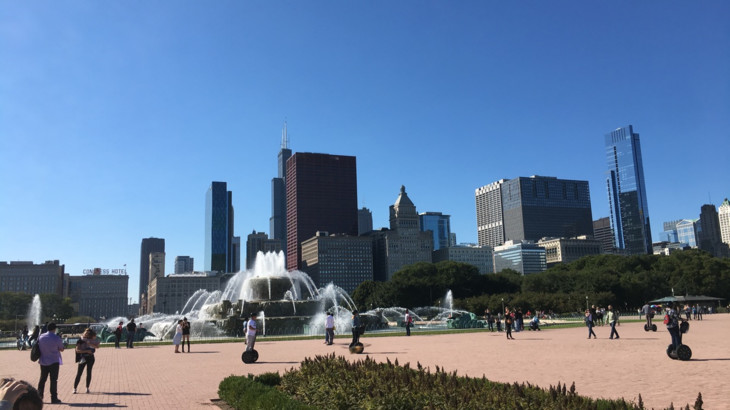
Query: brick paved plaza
[(155, 378)]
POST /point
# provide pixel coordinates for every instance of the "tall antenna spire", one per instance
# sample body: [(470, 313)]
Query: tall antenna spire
[(284, 138)]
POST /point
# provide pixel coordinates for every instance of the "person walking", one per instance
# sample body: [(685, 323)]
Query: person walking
[(51, 346), (409, 322), (355, 328), (490, 320), (131, 329), (85, 348), (589, 323), (185, 334), (612, 319), (118, 335), (251, 332), (329, 329), (508, 320), (178, 336)]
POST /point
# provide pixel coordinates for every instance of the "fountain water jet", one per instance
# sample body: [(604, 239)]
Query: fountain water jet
[(35, 312)]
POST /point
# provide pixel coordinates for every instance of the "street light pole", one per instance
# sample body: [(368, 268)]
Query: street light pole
[(586, 302), (503, 305)]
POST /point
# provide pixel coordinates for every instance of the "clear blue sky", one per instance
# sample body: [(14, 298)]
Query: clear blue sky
[(116, 116)]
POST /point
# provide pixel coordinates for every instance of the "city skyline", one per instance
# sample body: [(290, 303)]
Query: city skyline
[(116, 118)]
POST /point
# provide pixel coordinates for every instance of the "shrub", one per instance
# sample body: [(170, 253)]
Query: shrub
[(245, 393)]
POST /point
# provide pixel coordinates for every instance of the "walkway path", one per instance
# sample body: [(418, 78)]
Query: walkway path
[(156, 378)]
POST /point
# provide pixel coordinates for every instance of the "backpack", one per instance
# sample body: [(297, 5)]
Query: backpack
[(35, 352), (667, 319)]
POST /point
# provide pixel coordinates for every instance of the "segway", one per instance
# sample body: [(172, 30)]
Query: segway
[(250, 356), (357, 348), (648, 328), (683, 352)]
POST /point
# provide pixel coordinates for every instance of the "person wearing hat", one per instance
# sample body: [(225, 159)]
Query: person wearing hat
[(251, 332), (355, 328)]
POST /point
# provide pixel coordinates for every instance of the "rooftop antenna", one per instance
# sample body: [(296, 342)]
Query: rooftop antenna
[(284, 138)]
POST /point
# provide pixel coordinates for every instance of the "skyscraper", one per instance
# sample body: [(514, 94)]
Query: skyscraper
[(277, 222), (440, 226), (321, 192), (404, 244), (724, 217), (219, 255), (602, 232), (149, 245), (364, 221), (710, 237), (184, 264), (532, 208), (627, 192)]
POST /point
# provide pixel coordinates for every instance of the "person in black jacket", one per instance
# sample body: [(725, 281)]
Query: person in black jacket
[(131, 328)]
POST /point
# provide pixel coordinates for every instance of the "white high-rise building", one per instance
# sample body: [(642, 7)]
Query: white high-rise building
[(724, 215)]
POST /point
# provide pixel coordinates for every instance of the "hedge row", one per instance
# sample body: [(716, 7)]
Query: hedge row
[(330, 382)]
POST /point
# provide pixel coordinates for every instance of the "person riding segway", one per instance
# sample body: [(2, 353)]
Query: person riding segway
[(648, 311), (676, 328), (250, 355), (357, 330)]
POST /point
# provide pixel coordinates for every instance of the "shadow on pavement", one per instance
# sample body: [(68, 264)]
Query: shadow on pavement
[(124, 393), (278, 362), (708, 360), (94, 405)]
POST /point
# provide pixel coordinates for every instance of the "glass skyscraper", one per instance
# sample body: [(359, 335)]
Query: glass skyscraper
[(439, 225), (219, 228), (627, 192)]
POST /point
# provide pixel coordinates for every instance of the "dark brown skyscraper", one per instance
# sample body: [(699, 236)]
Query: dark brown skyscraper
[(321, 195)]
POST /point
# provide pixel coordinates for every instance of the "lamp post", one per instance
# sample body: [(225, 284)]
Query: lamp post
[(503, 305), (586, 302)]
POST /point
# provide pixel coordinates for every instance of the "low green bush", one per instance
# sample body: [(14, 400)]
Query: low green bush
[(330, 382), (245, 393)]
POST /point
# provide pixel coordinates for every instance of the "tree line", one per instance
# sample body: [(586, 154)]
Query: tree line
[(627, 282)]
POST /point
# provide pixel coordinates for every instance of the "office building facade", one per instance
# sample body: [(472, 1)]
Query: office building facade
[(687, 232), (723, 215), (710, 238), (99, 296), (343, 260), (277, 222), (30, 278), (524, 257), (566, 250), (626, 186), (480, 256), (670, 231), (602, 232), (404, 244), (321, 192), (184, 264), (440, 227), (149, 245), (169, 294), (219, 255), (364, 221), (259, 242), (530, 208)]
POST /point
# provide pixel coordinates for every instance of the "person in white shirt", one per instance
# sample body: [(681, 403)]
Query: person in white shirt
[(409, 322), (329, 329), (251, 332)]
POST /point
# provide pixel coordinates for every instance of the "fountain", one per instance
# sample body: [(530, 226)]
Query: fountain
[(288, 302), (35, 313)]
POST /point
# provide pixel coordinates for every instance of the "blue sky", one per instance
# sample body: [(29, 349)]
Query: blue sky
[(116, 116)]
